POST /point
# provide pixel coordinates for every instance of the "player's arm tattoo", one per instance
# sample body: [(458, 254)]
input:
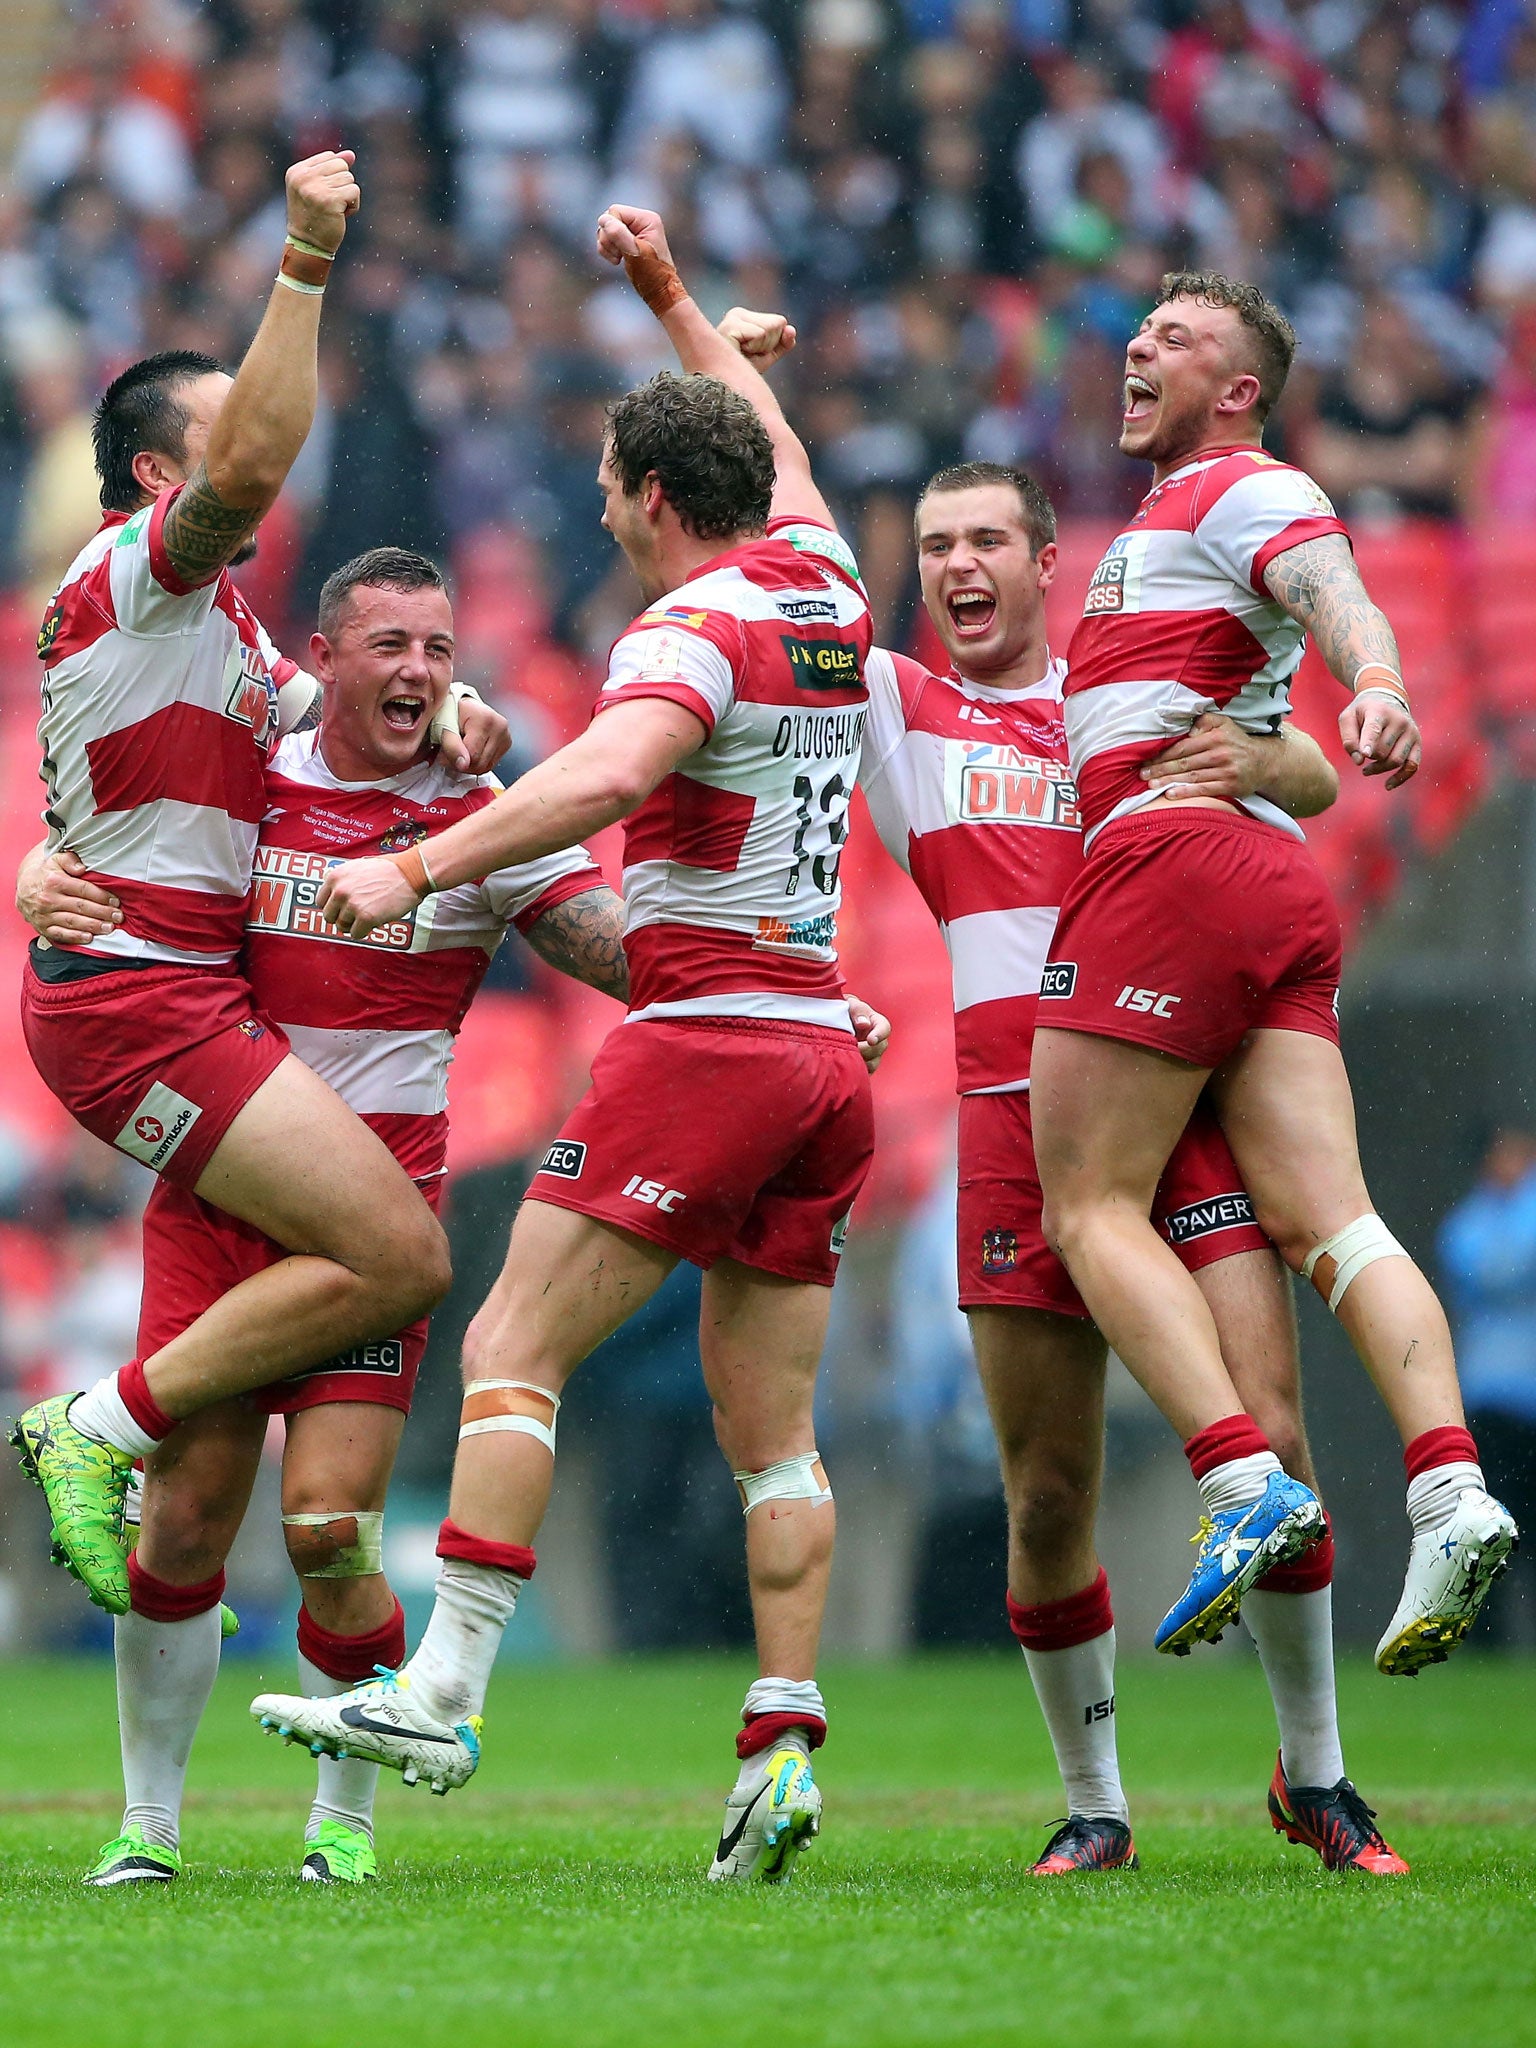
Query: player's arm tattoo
[(584, 937), (1320, 587), (202, 533)]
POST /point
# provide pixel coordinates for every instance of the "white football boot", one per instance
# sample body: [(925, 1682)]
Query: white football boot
[(769, 1818), (1451, 1571), (380, 1722)]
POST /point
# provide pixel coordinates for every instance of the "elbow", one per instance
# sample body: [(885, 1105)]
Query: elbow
[(618, 790)]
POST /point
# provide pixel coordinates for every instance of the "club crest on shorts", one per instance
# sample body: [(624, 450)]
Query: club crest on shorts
[(999, 1251), (250, 1029)]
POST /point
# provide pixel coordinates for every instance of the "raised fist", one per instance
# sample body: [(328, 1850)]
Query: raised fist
[(761, 337), (321, 193)]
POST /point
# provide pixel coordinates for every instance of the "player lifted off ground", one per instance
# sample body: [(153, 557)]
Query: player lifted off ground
[(1199, 939), (967, 780), (376, 1019), (729, 1117), (158, 713)]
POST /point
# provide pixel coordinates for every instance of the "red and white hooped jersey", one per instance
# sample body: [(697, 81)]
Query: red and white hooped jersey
[(376, 1017), (970, 791), (731, 885), (1178, 621), (159, 710)]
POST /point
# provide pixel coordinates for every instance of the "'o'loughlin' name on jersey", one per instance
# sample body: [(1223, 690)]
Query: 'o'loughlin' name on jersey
[(1001, 785), (818, 736)]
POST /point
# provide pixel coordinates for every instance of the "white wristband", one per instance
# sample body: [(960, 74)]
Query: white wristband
[(1385, 690)]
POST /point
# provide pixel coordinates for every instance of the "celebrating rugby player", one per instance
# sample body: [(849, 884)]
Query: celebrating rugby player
[(968, 784), (1199, 940), (377, 1020), (159, 699), (729, 1118)]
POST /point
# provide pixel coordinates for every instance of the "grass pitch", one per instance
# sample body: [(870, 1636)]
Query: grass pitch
[(559, 1899)]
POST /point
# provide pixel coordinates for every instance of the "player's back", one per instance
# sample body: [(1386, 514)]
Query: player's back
[(731, 881), (158, 710), (1178, 621), (970, 791)]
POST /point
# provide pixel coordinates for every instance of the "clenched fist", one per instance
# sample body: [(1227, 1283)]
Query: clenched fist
[(321, 193)]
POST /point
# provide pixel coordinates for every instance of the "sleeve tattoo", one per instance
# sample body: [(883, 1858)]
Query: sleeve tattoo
[(1319, 586), (202, 533), (584, 937)]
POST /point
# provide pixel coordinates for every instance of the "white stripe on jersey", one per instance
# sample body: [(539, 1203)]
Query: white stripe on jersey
[(998, 954), (379, 1073)]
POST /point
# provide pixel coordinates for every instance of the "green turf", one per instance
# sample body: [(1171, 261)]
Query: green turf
[(559, 1899)]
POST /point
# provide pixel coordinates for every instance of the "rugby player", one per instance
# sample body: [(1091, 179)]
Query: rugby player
[(967, 780), (1199, 939), (377, 1019), (158, 714), (729, 1118)]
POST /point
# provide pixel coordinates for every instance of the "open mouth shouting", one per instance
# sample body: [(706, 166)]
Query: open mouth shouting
[(404, 712), (971, 612), (1140, 397)]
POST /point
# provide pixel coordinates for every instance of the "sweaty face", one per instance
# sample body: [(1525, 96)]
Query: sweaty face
[(982, 584), (386, 669), (1185, 362)]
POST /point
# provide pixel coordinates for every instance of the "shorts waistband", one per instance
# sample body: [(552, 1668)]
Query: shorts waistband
[(1164, 818), (774, 1027), (114, 984)]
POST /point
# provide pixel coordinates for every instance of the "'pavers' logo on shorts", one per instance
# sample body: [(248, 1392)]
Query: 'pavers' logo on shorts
[(999, 1251), (1059, 978), (565, 1158), (1204, 1219), (157, 1127)]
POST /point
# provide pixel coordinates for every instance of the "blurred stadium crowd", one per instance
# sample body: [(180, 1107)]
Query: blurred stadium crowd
[(965, 205)]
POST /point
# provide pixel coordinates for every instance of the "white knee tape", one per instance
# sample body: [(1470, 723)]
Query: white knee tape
[(513, 1425), (355, 1560), (791, 1479), (1356, 1246)]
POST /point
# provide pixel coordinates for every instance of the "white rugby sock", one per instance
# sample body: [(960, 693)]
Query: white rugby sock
[(165, 1672), (1432, 1497), (1237, 1481), (102, 1414), (452, 1665), (1076, 1691), (346, 1786), (1294, 1636)]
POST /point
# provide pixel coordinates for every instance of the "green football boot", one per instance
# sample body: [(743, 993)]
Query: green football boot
[(229, 1622), (339, 1855), (132, 1860), (84, 1483)]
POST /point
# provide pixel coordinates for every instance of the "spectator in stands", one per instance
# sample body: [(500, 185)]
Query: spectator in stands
[(1488, 1256), (1391, 434), (93, 126)]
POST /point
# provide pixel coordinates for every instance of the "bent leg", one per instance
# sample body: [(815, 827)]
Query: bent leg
[(761, 1339), (1289, 1116), (1107, 1115), (1250, 1300), (368, 1255)]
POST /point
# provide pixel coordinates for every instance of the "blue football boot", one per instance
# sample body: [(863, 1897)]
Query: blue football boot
[(1237, 1547)]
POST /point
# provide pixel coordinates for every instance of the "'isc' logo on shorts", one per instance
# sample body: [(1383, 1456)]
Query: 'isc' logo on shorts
[(1059, 978), (565, 1158)]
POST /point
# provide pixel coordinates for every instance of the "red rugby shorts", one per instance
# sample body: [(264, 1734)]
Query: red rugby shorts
[(158, 1061), (720, 1137), (1185, 930), (1201, 1207)]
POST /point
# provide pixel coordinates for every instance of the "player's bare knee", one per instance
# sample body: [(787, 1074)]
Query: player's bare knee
[(410, 1268), (186, 1542), (1049, 1514)]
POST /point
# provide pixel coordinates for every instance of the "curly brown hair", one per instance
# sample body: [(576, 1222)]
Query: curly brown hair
[(706, 447), (1272, 335)]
